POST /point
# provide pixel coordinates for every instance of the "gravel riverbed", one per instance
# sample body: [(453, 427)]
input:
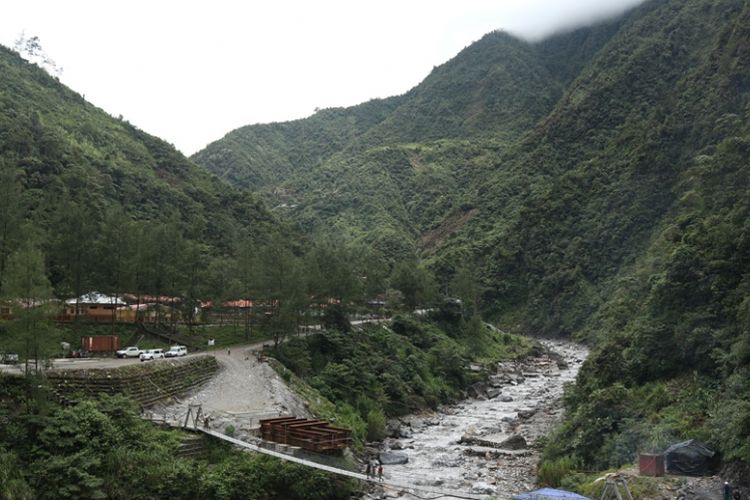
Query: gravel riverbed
[(486, 445)]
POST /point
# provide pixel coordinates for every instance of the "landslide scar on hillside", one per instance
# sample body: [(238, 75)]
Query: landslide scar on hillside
[(433, 239)]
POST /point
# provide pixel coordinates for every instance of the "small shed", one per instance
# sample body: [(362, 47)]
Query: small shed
[(650, 464), (691, 458), (549, 494)]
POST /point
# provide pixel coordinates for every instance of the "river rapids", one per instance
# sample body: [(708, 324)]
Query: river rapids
[(484, 445)]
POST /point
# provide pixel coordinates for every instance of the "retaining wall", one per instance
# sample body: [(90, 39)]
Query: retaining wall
[(145, 383)]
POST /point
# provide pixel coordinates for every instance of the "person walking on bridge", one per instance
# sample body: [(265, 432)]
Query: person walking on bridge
[(380, 472)]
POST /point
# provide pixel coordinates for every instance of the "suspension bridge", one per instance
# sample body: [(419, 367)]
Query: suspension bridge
[(193, 421)]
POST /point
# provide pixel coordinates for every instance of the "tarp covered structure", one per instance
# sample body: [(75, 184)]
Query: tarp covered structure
[(690, 457), (549, 494)]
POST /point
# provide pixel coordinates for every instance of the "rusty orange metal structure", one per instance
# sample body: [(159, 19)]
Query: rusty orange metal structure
[(312, 435)]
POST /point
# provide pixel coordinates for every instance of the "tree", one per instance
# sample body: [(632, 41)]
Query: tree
[(26, 286), (223, 282), (246, 274), (114, 245), (282, 286), (73, 251), (11, 203), (416, 284), (467, 288), (30, 48), (192, 277)]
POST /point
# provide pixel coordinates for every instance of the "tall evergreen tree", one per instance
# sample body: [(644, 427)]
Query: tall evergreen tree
[(11, 202), (26, 286)]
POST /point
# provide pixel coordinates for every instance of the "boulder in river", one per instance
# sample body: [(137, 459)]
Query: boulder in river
[(478, 389), (447, 460), (392, 458), (526, 414), (515, 442), (393, 429), (483, 488), (493, 392)]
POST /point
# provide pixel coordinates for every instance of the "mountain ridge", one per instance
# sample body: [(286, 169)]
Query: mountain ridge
[(595, 217)]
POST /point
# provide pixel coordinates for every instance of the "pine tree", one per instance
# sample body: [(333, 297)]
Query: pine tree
[(26, 286)]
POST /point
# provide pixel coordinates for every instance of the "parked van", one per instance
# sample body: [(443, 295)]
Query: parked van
[(175, 351), (151, 354)]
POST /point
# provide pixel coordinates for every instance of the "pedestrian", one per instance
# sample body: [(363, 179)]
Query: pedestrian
[(727, 491), (736, 495), (229, 352), (368, 470), (380, 472)]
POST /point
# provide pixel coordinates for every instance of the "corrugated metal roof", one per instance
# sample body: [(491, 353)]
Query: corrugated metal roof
[(96, 298)]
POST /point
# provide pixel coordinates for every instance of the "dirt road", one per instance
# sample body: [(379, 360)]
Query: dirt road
[(244, 391)]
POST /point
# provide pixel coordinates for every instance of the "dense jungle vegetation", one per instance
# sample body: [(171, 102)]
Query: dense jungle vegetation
[(597, 184), (381, 372), (103, 449)]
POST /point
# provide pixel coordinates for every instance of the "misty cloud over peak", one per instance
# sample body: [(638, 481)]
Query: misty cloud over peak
[(534, 20)]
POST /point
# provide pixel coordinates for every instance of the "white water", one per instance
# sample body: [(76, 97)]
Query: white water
[(436, 457)]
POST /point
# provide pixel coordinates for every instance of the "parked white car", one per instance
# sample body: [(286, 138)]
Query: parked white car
[(129, 352), (175, 351), (150, 354)]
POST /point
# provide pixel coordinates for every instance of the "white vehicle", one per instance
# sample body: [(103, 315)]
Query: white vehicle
[(150, 354), (129, 352), (175, 351)]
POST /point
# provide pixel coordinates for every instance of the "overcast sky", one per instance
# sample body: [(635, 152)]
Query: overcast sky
[(191, 71)]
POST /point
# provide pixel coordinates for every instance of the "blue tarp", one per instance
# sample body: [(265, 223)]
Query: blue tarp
[(549, 494)]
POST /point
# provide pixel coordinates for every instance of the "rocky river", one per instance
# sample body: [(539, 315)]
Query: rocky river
[(486, 444)]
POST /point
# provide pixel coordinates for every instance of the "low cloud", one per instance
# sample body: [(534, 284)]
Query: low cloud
[(534, 20)]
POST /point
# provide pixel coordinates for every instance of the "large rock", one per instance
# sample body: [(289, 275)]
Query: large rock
[(473, 440), (446, 460), (515, 442), (393, 429), (499, 380), (494, 392), (392, 458), (477, 390), (405, 432), (483, 488), (526, 414)]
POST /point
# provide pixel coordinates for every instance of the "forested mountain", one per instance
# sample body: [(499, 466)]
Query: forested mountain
[(597, 184), (91, 191), (257, 156)]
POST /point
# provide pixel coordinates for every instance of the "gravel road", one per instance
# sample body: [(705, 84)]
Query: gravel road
[(244, 391)]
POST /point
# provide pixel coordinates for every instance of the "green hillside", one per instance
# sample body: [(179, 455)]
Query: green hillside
[(597, 184), (110, 207), (258, 156), (477, 92)]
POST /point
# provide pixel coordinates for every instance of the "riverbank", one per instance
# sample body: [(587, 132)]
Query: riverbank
[(488, 444)]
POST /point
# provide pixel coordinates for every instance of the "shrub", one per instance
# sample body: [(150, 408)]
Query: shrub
[(731, 429), (376, 429), (552, 472)]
